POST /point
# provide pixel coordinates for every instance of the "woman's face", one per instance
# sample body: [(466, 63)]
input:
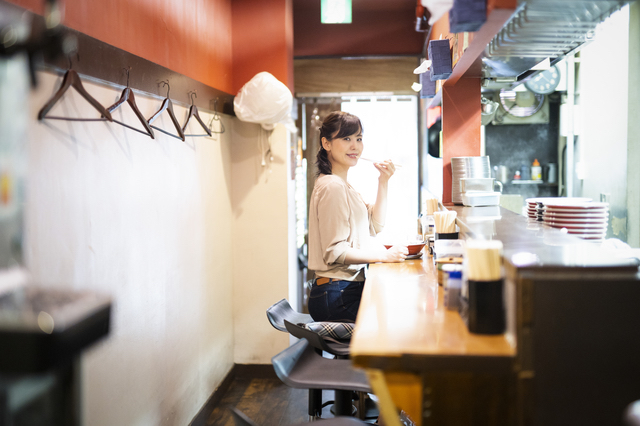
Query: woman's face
[(343, 152)]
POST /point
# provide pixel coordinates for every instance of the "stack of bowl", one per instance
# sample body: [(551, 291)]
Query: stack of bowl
[(535, 206), (586, 220), (467, 167)]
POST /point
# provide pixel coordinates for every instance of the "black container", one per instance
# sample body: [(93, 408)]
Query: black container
[(482, 307), (447, 236)]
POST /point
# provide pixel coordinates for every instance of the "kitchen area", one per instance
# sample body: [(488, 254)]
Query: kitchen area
[(156, 220)]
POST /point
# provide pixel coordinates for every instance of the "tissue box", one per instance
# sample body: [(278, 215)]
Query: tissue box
[(440, 56), (467, 15)]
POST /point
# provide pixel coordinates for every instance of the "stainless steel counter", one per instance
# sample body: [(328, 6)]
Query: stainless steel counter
[(529, 245)]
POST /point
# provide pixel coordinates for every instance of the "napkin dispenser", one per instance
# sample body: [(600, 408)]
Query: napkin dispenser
[(482, 306)]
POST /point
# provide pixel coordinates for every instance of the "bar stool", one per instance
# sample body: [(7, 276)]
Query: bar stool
[(282, 316), (339, 349), (282, 310), (301, 367), (277, 313), (241, 419)]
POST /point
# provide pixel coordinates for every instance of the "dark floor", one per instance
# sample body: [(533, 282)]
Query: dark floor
[(263, 398)]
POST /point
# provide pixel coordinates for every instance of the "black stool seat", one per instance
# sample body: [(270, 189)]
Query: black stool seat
[(282, 310), (300, 367)]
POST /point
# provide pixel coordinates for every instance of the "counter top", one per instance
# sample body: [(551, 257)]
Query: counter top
[(402, 319), (528, 245)]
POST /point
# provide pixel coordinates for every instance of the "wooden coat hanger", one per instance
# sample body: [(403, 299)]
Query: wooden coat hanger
[(193, 112), (127, 96), (72, 79), (168, 106), (216, 117)]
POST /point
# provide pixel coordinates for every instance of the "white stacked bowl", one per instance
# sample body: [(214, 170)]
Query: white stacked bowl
[(535, 206), (467, 167), (586, 220)]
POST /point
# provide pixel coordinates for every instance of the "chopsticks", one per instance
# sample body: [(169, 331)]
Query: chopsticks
[(432, 205), (484, 260), (374, 161), (445, 221)]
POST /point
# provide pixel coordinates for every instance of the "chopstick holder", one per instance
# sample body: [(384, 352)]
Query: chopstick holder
[(482, 304)]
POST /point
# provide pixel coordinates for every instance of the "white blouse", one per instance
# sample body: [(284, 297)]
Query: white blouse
[(339, 221)]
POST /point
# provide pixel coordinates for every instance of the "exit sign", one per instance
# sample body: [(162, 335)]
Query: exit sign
[(335, 11)]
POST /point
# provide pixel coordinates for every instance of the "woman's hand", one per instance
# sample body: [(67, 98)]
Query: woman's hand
[(386, 169), (396, 254)]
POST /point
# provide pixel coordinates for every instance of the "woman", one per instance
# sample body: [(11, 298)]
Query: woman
[(341, 223)]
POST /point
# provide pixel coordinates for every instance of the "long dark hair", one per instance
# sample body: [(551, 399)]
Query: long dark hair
[(337, 124)]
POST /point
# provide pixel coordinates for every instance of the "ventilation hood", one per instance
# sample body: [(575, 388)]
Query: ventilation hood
[(539, 30)]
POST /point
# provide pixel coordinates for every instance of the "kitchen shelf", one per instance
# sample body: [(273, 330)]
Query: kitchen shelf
[(532, 182), (470, 62)]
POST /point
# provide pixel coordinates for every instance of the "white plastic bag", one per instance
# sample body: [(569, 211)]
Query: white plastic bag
[(263, 100), (437, 8)]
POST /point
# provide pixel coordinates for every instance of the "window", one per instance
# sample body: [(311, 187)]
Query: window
[(390, 132)]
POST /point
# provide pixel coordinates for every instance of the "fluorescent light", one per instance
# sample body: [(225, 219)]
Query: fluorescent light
[(335, 11)]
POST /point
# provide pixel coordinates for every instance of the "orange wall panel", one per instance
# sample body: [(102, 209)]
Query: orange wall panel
[(375, 30), (460, 126), (262, 40), (192, 38)]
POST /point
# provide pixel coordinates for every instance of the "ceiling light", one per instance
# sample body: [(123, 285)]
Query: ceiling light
[(335, 11)]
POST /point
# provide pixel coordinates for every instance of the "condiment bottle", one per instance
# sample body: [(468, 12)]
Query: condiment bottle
[(536, 170), (525, 172), (452, 290)]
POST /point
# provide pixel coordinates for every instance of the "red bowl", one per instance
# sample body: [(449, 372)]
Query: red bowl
[(413, 248)]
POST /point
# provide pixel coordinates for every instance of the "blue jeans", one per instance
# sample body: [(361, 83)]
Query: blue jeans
[(336, 301)]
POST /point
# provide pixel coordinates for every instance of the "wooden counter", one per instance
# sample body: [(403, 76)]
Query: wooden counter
[(571, 317), (402, 318)]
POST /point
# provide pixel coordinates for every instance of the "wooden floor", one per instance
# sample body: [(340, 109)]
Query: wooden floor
[(262, 397)]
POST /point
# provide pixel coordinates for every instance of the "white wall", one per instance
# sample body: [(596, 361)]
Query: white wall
[(186, 237), (260, 237), (633, 171), (603, 86)]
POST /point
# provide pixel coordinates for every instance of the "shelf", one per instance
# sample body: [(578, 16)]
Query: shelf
[(532, 182), (470, 62)]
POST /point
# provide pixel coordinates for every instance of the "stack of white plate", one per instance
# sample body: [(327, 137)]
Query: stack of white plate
[(467, 167), (587, 220), (535, 205)]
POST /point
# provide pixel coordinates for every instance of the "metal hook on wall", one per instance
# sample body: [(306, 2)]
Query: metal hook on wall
[(127, 71), (216, 117), (166, 83)]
